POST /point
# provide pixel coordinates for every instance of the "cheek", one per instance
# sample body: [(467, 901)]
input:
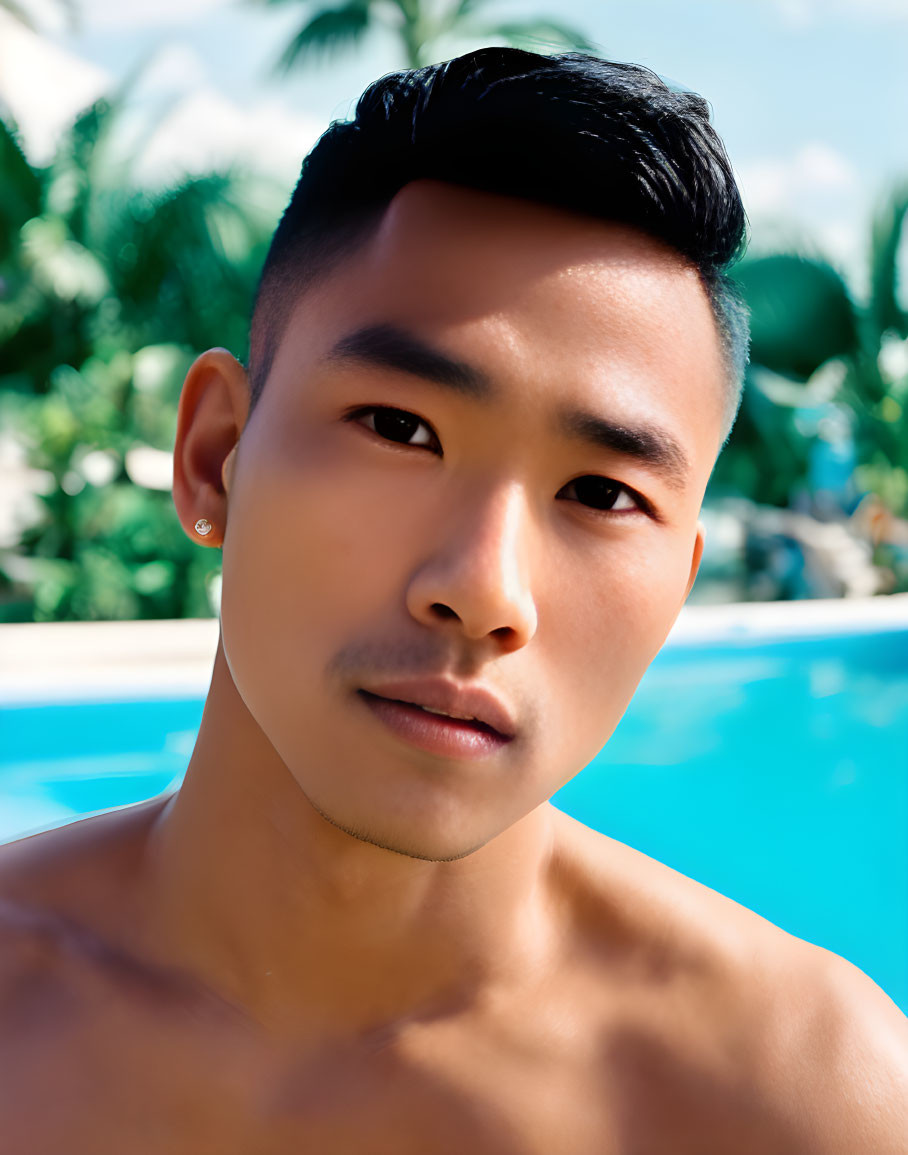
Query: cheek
[(285, 552), (612, 620), (638, 593), (308, 566), (312, 550)]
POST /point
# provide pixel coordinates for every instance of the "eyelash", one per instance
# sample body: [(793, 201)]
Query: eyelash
[(643, 505)]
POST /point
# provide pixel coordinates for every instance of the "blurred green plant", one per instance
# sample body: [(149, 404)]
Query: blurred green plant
[(422, 27), (813, 344), (23, 12), (107, 292)]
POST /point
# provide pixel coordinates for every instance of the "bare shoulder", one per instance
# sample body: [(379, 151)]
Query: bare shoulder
[(96, 1040), (54, 866), (56, 888), (783, 1041), (835, 1054)]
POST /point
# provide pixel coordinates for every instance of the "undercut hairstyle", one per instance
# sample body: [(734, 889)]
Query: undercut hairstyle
[(572, 131)]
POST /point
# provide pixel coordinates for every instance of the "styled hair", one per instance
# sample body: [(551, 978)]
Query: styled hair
[(571, 130)]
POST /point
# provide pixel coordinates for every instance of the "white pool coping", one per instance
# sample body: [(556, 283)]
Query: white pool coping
[(70, 661)]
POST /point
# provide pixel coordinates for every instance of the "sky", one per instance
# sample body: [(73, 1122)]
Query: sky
[(809, 96)]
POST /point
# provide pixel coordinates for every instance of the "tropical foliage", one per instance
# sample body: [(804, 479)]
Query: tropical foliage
[(816, 349), (107, 291), (421, 27), (21, 10)]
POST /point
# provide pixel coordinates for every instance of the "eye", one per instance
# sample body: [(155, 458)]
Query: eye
[(395, 425), (607, 496), (601, 494)]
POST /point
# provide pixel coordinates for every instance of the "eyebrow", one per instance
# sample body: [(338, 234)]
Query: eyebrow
[(388, 346)]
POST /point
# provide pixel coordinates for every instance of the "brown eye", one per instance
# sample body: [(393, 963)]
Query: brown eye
[(601, 494), (604, 494), (395, 425)]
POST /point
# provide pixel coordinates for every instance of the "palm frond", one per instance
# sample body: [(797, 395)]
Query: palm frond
[(17, 176), (534, 35), (801, 313), (327, 31), (20, 189), (453, 18), (886, 236), (20, 13), (15, 9), (71, 8), (466, 8)]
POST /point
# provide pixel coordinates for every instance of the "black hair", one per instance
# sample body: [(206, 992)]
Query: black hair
[(571, 130)]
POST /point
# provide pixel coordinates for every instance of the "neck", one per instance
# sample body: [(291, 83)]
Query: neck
[(311, 930)]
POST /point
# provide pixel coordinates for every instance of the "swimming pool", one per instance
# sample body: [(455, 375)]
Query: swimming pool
[(770, 763)]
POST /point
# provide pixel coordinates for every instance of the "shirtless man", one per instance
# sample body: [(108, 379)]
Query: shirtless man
[(463, 471)]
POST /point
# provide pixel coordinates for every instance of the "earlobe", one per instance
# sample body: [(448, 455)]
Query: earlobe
[(214, 405)]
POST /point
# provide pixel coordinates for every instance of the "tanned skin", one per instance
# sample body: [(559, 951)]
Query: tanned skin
[(329, 941)]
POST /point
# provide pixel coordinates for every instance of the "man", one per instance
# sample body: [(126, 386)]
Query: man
[(494, 357)]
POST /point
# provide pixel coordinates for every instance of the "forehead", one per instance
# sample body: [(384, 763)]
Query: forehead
[(491, 247), (540, 296)]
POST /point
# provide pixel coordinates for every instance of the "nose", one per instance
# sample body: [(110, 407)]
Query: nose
[(477, 574)]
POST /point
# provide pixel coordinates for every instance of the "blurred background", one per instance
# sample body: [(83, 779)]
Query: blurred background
[(147, 150)]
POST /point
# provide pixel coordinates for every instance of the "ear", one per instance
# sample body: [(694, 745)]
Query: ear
[(696, 558), (214, 405)]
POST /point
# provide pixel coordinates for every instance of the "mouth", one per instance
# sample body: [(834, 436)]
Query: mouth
[(435, 732), (469, 723)]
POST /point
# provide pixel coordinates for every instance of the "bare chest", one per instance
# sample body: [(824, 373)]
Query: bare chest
[(100, 1091), (86, 1077)]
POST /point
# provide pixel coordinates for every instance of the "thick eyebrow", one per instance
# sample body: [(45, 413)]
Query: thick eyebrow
[(391, 347), (654, 448), (386, 345)]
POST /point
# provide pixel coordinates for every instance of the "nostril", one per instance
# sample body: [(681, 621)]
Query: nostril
[(443, 610)]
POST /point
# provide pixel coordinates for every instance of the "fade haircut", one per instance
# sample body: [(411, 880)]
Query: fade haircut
[(573, 131)]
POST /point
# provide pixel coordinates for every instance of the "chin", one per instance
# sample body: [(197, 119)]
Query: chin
[(425, 848)]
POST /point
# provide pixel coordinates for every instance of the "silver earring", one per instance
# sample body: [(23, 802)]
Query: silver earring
[(203, 526)]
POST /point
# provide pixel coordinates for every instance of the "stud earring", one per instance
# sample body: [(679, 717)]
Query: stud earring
[(203, 526)]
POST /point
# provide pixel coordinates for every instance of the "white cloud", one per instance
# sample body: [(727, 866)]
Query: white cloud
[(844, 243), (43, 86), (813, 200), (143, 13), (796, 13), (207, 130), (176, 67), (782, 184)]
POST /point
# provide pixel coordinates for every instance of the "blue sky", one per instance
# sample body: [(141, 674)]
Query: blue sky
[(810, 96)]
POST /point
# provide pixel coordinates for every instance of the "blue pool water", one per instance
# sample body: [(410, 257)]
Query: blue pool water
[(775, 772)]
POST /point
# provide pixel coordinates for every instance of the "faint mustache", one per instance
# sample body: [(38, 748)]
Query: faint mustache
[(398, 660)]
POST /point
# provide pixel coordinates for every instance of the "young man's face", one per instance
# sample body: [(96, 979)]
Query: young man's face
[(463, 548)]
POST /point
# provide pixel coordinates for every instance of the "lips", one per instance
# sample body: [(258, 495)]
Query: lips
[(460, 701)]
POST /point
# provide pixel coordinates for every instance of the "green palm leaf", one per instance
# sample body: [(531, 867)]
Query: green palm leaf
[(78, 166), (465, 8), (420, 26), (533, 34), (328, 31), (886, 235), (801, 313), (20, 12), (20, 190)]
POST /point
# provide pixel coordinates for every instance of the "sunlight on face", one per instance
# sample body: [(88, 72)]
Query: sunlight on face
[(488, 539)]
